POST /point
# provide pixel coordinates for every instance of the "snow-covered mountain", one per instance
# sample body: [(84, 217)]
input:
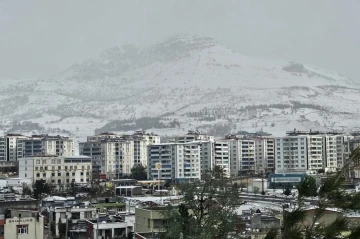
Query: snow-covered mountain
[(185, 82)]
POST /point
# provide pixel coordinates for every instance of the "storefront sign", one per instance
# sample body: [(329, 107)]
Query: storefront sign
[(21, 220), (286, 180)]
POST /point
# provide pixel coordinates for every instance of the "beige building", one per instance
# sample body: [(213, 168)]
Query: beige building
[(149, 219), (60, 171), (328, 216), (24, 227)]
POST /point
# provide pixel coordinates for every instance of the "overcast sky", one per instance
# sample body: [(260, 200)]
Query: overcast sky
[(40, 38)]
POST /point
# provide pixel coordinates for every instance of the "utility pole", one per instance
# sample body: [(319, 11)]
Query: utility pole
[(66, 218), (97, 225)]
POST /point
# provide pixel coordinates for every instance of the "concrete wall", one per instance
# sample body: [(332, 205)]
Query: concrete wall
[(147, 220), (23, 204)]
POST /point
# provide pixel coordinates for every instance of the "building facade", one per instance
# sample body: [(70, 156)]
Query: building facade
[(115, 155), (24, 227), (60, 171), (179, 161)]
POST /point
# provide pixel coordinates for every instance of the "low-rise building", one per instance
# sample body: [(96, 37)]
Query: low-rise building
[(60, 171), (107, 228), (149, 219), (128, 191), (74, 214), (26, 225)]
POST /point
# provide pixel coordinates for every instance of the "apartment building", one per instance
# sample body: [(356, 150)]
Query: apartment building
[(353, 172), (46, 145), (141, 141), (3, 154), (291, 154), (222, 155), (193, 136), (60, 171), (179, 161), (58, 145), (92, 149), (312, 150), (115, 155), (264, 155), (11, 145)]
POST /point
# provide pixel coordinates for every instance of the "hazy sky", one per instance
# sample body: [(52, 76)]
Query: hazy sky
[(40, 38)]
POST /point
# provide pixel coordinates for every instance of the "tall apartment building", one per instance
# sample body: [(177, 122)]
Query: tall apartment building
[(3, 154), (115, 155), (353, 172), (15, 146), (11, 145), (60, 171), (291, 154), (179, 161), (310, 151), (222, 155), (264, 155)]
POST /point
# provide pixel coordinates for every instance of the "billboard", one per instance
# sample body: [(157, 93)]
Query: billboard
[(286, 179)]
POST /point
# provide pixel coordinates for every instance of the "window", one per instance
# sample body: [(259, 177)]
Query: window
[(59, 174), (44, 161), (37, 161), (73, 174), (22, 229)]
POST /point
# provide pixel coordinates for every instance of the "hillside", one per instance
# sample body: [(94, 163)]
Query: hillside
[(183, 83)]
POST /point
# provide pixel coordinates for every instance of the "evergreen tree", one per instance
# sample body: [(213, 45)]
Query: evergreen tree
[(138, 172)]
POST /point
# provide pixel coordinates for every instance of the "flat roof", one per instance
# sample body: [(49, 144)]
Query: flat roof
[(128, 187)]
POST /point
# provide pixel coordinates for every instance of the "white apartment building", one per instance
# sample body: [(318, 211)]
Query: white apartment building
[(179, 161), (239, 151), (264, 154), (141, 141), (58, 145), (206, 157), (59, 171), (315, 151), (291, 154), (193, 136), (115, 155), (222, 155), (341, 142)]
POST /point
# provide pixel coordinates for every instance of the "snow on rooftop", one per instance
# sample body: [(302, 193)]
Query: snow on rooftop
[(54, 198)]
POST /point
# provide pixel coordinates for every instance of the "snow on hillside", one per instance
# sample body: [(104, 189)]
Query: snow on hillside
[(194, 81)]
